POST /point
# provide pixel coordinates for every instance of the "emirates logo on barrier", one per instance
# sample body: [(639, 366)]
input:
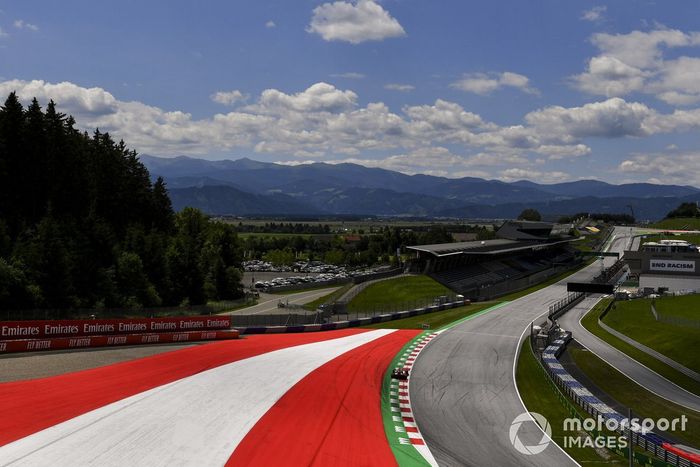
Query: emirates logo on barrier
[(527, 417)]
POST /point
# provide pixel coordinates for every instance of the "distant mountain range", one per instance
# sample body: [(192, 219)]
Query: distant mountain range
[(245, 187)]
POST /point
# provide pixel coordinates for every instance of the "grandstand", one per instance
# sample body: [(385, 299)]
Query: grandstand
[(524, 253)]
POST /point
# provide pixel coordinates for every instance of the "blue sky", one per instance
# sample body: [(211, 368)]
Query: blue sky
[(541, 90)]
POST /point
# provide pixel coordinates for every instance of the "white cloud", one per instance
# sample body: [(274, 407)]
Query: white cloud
[(349, 75), (399, 87), (683, 168), (354, 22), (514, 174), (595, 14), (323, 122), (270, 24), (21, 24), (612, 118), (3, 33), (228, 97), (485, 83), (634, 62)]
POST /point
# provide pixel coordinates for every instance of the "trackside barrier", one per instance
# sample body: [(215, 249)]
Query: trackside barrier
[(62, 343), (351, 323), (98, 327), (565, 304), (648, 441)]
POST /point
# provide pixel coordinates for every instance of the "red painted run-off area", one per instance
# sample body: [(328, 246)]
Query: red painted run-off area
[(331, 417), (27, 407)]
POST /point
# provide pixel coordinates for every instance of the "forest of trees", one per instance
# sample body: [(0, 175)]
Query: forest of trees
[(684, 210), (379, 246), (82, 225)]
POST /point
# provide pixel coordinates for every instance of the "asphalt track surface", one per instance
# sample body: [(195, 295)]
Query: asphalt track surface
[(315, 396), (268, 304), (463, 390), (463, 394)]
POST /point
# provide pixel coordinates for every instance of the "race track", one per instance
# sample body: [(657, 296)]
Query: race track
[(198, 405), (462, 388)]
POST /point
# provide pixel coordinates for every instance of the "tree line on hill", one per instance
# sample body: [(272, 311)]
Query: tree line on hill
[(82, 225), (380, 246), (684, 210)]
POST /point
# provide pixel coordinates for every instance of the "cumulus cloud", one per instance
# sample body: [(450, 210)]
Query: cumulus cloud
[(612, 118), (683, 168), (595, 14), (325, 122), (514, 174), (228, 97), (485, 83), (270, 24), (634, 62), (354, 22), (399, 87), (349, 75), (21, 24)]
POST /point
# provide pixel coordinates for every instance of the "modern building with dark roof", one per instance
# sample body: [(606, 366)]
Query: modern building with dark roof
[(672, 265)]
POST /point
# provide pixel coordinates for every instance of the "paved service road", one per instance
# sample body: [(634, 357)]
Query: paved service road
[(622, 362), (268, 302)]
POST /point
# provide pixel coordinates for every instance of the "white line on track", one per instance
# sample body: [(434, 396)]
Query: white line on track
[(198, 420)]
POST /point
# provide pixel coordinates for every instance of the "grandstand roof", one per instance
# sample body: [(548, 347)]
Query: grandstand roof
[(484, 247)]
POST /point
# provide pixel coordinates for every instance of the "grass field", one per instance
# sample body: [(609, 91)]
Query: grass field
[(539, 396), (244, 235), (590, 322), (434, 320), (394, 291), (630, 394), (687, 306), (634, 319), (694, 239), (680, 223), (331, 296)]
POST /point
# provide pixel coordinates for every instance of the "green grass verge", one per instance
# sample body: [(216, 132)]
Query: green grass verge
[(440, 319), (634, 319), (590, 322), (692, 238), (244, 235), (406, 454), (336, 294), (680, 223), (390, 292), (686, 307), (644, 404), (539, 395), (436, 319)]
